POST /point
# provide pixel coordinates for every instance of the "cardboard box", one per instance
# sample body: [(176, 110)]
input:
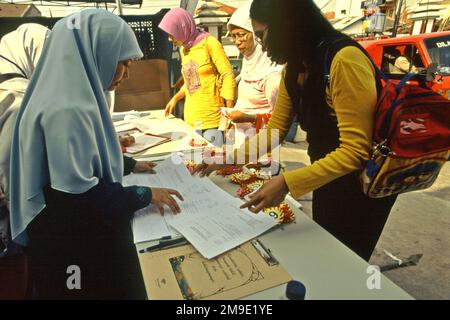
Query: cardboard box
[(146, 89)]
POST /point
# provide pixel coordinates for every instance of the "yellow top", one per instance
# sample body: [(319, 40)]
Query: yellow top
[(352, 95), (208, 79)]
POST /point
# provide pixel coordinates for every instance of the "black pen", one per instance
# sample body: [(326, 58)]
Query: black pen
[(165, 244)]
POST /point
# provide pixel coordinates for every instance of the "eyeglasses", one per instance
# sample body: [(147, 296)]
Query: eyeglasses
[(242, 36), (260, 36)]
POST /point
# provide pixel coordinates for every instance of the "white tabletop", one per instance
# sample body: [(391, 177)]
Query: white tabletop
[(327, 268), (171, 127)]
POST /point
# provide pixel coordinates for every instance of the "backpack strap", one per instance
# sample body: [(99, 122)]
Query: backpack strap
[(339, 43)]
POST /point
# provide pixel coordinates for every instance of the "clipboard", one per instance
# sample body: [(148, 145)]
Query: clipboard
[(182, 273)]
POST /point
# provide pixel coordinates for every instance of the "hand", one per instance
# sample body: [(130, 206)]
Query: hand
[(170, 107), (206, 169), (144, 166), (163, 196), (126, 140), (213, 160), (270, 194), (239, 116)]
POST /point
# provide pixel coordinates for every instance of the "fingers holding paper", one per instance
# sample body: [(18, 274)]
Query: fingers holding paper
[(270, 194), (164, 196)]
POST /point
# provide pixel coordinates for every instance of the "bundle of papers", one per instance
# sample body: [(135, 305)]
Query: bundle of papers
[(117, 116), (143, 139), (211, 219)]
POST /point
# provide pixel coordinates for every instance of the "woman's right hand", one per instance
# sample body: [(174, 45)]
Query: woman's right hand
[(206, 169), (170, 107), (163, 196)]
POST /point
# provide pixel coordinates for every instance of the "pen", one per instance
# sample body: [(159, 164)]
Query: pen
[(165, 244)]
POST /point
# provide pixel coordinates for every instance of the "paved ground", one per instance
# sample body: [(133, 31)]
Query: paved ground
[(419, 224)]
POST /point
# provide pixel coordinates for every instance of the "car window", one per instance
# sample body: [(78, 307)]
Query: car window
[(439, 51), (399, 59)]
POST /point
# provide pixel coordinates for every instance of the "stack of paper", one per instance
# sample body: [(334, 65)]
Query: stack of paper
[(210, 219), (142, 137), (117, 116), (144, 141)]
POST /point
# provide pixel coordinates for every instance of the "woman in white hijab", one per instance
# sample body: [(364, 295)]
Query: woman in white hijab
[(19, 52), (259, 82), (67, 203)]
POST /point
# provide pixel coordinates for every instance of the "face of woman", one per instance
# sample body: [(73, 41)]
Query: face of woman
[(260, 29), (175, 41), (243, 40), (122, 72)]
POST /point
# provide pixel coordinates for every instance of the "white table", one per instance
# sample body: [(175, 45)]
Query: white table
[(327, 268), (156, 123)]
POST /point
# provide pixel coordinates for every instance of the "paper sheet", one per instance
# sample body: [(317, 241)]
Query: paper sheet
[(149, 225), (210, 219), (118, 116), (215, 234), (144, 141), (180, 133)]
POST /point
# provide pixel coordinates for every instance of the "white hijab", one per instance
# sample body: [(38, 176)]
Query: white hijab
[(258, 65), (22, 47)]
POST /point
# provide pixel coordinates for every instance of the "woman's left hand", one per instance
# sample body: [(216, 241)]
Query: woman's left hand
[(144, 166), (270, 194), (239, 116)]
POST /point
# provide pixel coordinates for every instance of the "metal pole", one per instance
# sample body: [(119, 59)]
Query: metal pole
[(349, 9), (119, 7), (397, 19)]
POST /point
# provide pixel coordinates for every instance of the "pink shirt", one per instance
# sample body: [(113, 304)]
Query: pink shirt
[(258, 97), (255, 97)]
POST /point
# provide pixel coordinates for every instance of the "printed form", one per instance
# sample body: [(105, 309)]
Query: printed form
[(210, 218)]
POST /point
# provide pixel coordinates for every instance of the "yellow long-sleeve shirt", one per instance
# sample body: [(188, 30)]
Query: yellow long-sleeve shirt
[(208, 79), (352, 95)]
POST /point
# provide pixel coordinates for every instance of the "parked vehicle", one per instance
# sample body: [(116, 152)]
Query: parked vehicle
[(427, 54)]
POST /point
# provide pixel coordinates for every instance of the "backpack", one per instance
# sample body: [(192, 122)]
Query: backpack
[(411, 136)]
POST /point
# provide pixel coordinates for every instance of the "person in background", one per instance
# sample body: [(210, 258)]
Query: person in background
[(403, 65), (208, 77), (338, 117), (260, 78), (390, 54), (19, 53), (396, 63), (67, 203)]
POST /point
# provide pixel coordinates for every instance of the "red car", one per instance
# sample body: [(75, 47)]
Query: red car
[(416, 53)]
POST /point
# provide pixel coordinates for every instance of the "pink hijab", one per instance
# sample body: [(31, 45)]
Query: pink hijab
[(180, 24)]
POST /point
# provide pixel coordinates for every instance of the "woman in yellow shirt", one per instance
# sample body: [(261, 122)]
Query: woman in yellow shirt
[(208, 78), (338, 116)]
